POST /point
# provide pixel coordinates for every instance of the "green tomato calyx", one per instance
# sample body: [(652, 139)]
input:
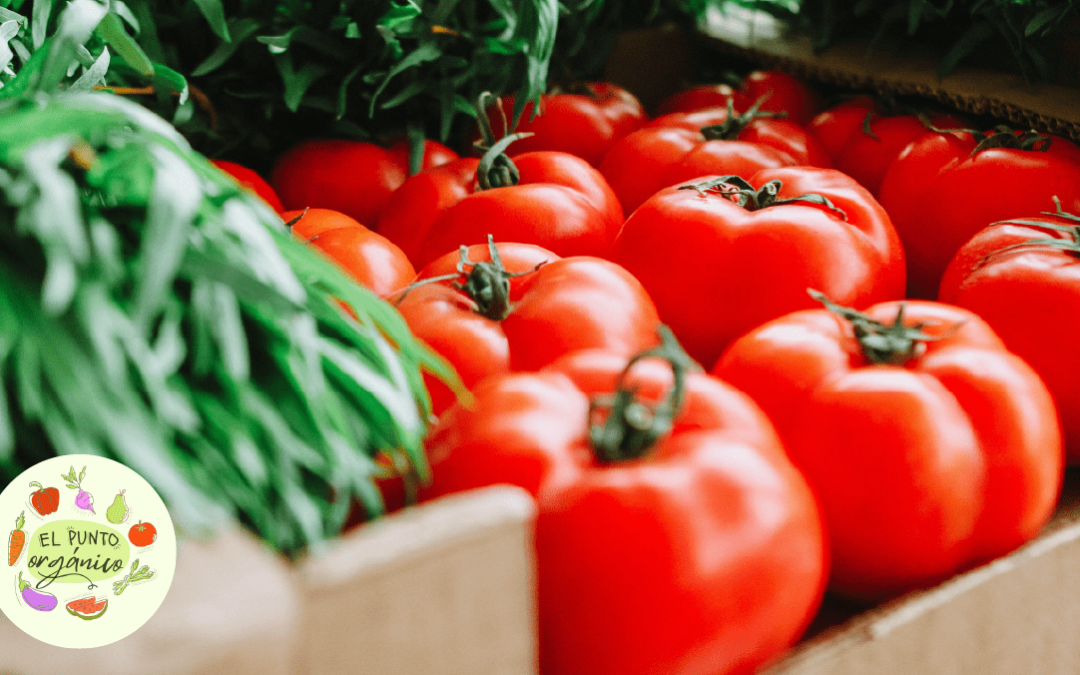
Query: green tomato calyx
[(1070, 243), (740, 191), (496, 168), (735, 124), (632, 427), (892, 344)]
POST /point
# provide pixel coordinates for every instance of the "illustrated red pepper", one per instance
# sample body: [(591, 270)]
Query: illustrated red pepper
[(44, 500)]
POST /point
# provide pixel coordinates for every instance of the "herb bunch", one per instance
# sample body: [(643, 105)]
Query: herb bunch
[(153, 312)]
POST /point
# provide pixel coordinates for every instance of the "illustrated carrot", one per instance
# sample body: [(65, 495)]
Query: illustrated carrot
[(17, 540)]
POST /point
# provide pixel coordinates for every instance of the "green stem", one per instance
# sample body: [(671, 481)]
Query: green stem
[(734, 124), (631, 427), (893, 344), (740, 191)]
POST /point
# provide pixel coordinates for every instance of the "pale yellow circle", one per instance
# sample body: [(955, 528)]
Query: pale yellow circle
[(96, 539)]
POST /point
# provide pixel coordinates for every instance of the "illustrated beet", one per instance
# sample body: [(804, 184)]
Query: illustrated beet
[(42, 602), (84, 500)]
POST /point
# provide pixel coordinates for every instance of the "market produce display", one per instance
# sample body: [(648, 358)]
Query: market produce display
[(744, 348)]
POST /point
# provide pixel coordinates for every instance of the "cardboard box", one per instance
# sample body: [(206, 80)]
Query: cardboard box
[(444, 588)]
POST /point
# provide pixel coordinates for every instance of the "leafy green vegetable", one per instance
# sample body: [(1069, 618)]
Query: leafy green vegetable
[(153, 312)]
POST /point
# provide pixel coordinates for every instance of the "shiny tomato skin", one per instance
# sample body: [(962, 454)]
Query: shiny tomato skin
[(716, 270), (782, 134), (353, 177), (704, 557), (584, 125), (309, 223), (939, 195), (1031, 297), (371, 259), (561, 203), (781, 92), (252, 181), (649, 160), (922, 470), (565, 305)]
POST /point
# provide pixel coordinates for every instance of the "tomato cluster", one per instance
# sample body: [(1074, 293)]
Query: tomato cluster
[(742, 352)]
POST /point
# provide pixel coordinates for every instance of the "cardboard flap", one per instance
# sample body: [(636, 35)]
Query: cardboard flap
[(763, 39)]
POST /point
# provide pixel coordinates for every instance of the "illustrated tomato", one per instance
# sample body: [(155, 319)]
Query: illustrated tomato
[(550, 199), (142, 534), (944, 188), (252, 181), (681, 546), (523, 311), (863, 137), (724, 255), (930, 446), (353, 177), (583, 123), (656, 157), (371, 259), (1023, 278), (777, 91)]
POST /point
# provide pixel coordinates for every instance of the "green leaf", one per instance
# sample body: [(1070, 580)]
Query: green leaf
[(426, 52), (343, 91), (214, 13), (297, 82), (77, 24), (964, 46), (172, 80), (40, 22), (94, 75), (1042, 20), (241, 30), (113, 32), (278, 44)]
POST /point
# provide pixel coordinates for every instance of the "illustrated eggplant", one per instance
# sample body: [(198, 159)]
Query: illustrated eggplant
[(43, 602)]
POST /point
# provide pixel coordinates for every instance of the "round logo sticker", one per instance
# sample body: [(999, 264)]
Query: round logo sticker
[(91, 551)]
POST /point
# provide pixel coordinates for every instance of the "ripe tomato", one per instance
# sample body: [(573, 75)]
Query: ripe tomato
[(657, 157), (583, 124), (717, 269), (700, 550), (371, 259), (554, 200), (863, 137), (485, 321), (776, 132), (1023, 279), (930, 446), (252, 181), (352, 177), (944, 188), (777, 91)]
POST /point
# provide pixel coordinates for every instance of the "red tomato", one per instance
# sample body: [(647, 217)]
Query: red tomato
[(1023, 279), (716, 269), (559, 203), (309, 223), (583, 124), (657, 157), (778, 92), (352, 177), (942, 190), (564, 305), (371, 259), (779, 133), (928, 456), (142, 534), (252, 181), (865, 151), (700, 552)]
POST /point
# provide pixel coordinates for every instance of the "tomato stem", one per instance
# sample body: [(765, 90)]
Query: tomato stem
[(632, 427), (734, 124), (1001, 137), (1069, 244), (496, 168), (740, 191), (894, 344)]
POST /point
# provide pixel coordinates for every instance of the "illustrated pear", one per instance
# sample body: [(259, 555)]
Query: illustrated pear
[(118, 512)]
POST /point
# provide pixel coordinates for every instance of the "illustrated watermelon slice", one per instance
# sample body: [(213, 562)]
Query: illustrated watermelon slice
[(87, 608)]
